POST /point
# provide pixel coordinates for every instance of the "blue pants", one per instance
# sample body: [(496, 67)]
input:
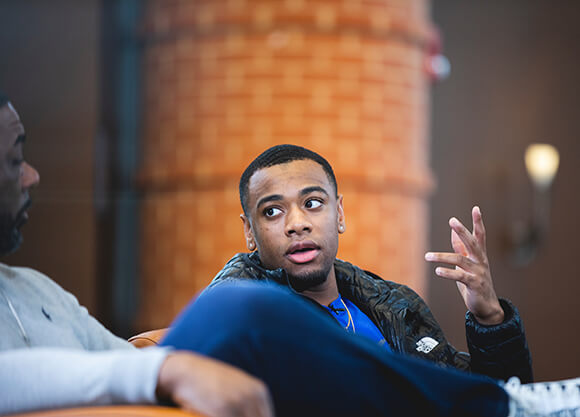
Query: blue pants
[(313, 367)]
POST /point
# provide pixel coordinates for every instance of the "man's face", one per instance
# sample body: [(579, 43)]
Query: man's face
[(16, 178), (294, 220)]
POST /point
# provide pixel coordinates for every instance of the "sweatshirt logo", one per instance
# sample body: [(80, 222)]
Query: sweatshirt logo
[(426, 344), (46, 314)]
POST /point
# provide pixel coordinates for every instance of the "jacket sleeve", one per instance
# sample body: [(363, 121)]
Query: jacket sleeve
[(500, 351)]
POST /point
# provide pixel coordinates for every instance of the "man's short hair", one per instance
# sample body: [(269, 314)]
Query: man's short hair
[(277, 155), (3, 99)]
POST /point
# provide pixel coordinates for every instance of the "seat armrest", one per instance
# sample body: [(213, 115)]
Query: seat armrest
[(150, 338), (112, 411)]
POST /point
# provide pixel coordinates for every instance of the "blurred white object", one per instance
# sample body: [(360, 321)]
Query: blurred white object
[(439, 67), (542, 162)]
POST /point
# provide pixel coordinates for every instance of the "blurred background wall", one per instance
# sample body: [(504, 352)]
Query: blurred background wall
[(74, 73), (224, 80), (50, 69), (513, 82)]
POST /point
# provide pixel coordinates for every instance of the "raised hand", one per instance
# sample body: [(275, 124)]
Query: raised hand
[(471, 269), (200, 384)]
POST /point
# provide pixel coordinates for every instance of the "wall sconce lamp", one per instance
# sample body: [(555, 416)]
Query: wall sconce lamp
[(542, 162)]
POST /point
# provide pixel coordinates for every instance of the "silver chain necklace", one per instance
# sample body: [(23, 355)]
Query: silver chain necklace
[(16, 317)]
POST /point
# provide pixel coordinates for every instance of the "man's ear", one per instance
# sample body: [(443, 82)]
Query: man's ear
[(250, 241), (340, 213)]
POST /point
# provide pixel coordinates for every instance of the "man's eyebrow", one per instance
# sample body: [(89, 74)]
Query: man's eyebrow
[(313, 189), (20, 139), (273, 197), (303, 192)]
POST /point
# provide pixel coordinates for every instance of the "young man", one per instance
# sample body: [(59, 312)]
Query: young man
[(292, 218), (54, 354)]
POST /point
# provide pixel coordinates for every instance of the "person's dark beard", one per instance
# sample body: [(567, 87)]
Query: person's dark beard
[(10, 236), (305, 282)]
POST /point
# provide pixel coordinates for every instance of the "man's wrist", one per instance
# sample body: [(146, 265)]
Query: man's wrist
[(493, 319)]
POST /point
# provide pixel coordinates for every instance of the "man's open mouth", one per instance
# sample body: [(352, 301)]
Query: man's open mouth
[(302, 252)]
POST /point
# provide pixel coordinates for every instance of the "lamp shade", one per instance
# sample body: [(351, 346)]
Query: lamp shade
[(542, 162)]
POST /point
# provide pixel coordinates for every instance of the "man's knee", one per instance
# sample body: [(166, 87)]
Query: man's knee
[(249, 303), (235, 314)]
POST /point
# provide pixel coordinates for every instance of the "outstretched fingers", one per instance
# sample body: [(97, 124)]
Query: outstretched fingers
[(457, 244), (472, 244), (459, 275), (478, 227), (463, 266), (469, 268), (464, 235), (455, 259)]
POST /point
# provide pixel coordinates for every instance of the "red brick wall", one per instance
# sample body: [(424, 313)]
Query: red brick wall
[(224, 80)]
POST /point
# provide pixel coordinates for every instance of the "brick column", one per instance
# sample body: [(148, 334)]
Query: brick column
[(225, 79)]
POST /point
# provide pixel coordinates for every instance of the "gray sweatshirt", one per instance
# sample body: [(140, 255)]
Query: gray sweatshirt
[(72, 359)]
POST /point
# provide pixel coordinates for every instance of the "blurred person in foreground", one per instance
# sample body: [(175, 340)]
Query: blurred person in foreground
[(63, 356)]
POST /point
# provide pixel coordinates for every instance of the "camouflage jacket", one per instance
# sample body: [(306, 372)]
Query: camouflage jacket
[(407, 323)]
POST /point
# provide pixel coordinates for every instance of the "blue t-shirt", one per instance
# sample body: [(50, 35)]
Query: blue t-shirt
[(355, 321)]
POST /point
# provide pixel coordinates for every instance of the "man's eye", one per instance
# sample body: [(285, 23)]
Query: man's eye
[(17, 161), (312, 204), (272, 211)]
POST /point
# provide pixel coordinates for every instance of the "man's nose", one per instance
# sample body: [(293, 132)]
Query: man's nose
[(297, 222), (30, 176)]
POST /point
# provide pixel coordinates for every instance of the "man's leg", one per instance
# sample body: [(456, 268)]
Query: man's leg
[(313, 367)]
